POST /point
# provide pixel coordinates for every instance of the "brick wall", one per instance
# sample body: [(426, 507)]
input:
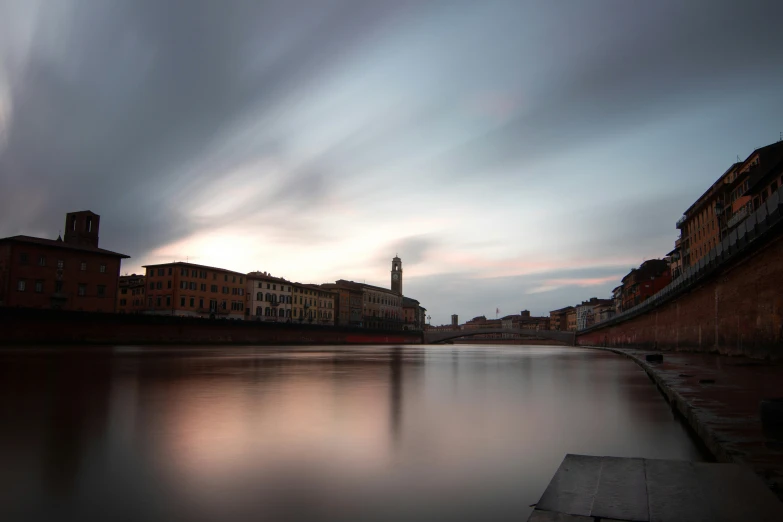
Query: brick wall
[(737, 311)]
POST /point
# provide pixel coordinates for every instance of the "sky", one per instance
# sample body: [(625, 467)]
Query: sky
[(515, 154)]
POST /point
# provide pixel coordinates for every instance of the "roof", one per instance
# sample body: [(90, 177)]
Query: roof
[(562, 310), (409, 302), (340, 282), (701, 200), (266, 277), (193, 265), (53, 243)]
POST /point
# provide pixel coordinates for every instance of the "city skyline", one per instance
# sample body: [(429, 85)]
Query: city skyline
[(515, 157)]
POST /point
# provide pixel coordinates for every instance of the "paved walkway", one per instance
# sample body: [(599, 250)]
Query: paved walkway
[(720, 398)]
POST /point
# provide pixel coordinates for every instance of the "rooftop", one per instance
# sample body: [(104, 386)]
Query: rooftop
[(58, 243), (193, 265)]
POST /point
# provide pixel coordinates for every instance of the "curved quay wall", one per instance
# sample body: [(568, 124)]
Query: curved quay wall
[(730, 303)]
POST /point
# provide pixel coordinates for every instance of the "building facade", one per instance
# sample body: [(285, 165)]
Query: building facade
[(645, 281), (349, 302), (558, 319), (130, 296), (68, 274), (414, 314), (191, 290), (269, 298)]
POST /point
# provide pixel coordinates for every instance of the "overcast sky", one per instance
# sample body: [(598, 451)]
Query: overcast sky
[(516, 155)]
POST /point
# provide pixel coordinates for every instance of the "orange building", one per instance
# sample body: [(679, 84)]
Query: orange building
[(68, 274), (187, 289), (130, 296)]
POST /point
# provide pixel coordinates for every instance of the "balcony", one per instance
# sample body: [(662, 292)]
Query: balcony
[(681, 222), (738, 217)]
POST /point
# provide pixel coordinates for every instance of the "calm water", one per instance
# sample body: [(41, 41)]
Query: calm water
[(320, 433)]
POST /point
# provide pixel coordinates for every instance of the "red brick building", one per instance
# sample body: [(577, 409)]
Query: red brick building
[(68, 274)]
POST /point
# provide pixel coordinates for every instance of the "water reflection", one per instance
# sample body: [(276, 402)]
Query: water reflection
[(360, 433)]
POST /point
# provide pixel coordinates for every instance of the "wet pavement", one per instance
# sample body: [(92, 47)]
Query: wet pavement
[(590, 488), (720, 398)]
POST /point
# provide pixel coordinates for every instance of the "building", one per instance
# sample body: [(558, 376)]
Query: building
[(604, 312), (482, 323), (68, 274), (760, 175), (130, 296), (349, 303), (586, 311), (187, 289), (570, 318), (738, 192), (414, 314), (268, 298), (454, 320), (324, 309), (645, 281), (702, 223), (558, 319)]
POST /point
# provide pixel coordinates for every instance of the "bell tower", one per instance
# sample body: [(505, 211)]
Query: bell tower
[(81, 228), (396, 276)]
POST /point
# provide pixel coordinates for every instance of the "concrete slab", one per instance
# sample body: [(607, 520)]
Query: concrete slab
[(549, 516), (642, 490), (622, 490), (573, 487)]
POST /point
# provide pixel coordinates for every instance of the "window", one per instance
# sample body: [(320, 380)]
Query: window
[(192, 286), (213, 288), (23, 258), (225, 280), (233, 279), (41, 260), (22, 285), (225, 289), (259, 296), (168, 284), (60, 263), (123, 291), (58, 286), (182, 301), (82, 289), (101, 290), (149, 302), (234, 291), (158, 301), (83, 266), (122, 302), (274, 287), (201, 303), (267, 286), (168, 300), (102, 269), (240, 280), (159, 285), (192, 302), (161, 271), (203, 287), (169, 270), (194, 273)]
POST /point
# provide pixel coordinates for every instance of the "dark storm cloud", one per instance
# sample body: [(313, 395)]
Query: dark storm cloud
[(116, 102)]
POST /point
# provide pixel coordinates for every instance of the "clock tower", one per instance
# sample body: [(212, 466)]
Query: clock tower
[(396, 276)]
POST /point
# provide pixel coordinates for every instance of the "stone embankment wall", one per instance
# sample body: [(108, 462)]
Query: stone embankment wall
[(31, 326), (736, 309)]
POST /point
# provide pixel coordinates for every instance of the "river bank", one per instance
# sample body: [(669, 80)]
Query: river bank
[(719, 397)]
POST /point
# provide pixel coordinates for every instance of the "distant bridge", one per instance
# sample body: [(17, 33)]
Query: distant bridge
[(435, 336)]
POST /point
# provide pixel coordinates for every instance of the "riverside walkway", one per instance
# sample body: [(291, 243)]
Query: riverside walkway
[(719, 397)]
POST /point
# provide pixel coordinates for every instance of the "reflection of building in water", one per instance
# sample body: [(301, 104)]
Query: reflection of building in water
[(395, 392), (75, 391)]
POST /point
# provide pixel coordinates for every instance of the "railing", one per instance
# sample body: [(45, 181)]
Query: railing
[(681, 221), (738, 216)]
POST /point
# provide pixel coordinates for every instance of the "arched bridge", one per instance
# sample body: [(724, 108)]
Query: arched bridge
[(435, 336)]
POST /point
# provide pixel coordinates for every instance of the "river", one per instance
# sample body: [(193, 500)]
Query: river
[(362, 433)]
